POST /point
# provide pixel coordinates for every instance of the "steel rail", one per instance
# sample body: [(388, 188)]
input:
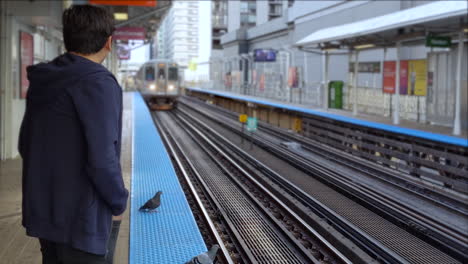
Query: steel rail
[(194, 193), (265, 190), (361, 238), (248, 254), (453, 203), (440, 237)]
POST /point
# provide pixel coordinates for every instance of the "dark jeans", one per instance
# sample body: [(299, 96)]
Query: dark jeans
[(57, 253)]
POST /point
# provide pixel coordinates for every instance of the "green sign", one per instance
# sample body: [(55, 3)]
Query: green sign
[(438, 41), (252, 124)]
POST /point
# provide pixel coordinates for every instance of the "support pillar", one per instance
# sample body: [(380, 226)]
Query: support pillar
[(325, 63), (355, 83), (396, 113), (305, 78), (457, 120)]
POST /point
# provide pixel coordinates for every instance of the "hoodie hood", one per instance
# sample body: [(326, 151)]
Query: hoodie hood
[(48, 80)]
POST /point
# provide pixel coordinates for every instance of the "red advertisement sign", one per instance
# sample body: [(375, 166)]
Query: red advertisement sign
[(26, 59), (404, 77), (261, 85), (125, 2), (292, 77), (130, 33), (389, 77)]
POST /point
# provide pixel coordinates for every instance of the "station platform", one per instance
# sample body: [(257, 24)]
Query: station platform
[(430, 132), (168, 236)]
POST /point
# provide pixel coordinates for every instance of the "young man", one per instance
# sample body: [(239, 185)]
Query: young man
[(70, 144)]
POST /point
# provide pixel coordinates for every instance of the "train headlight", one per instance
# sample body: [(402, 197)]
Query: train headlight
[(171, 87), (152, 86)]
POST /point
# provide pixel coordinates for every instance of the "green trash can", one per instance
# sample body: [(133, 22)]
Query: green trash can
[(335, 94)]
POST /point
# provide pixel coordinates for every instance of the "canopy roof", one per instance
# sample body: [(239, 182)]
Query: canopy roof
[(436, 11)]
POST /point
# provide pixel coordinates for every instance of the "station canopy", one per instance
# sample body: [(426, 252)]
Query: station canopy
[(437, 17), (137, 14)]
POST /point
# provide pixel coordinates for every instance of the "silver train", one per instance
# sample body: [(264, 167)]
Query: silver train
[(159, 83)]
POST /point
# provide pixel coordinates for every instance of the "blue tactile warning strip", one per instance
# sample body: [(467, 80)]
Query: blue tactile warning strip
[(171, 235), (395, 129)]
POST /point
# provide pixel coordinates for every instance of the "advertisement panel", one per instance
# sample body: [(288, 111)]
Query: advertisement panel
[(292, 77), (417, 77), (403, 77), (129, 33), (389, 77), (263, 55), (261, 84), (26, 59), (254, 77), (227, 80), (389, 69)]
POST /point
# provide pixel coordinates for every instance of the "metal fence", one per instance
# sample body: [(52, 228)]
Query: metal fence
[(240, 74)]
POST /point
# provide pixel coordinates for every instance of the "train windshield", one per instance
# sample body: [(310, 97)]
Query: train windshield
[(172, 73), (149, 73), (161, 74)]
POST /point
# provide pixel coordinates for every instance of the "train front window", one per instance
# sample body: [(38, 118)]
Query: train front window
[(161, 74), (173, 74), (149, 73)]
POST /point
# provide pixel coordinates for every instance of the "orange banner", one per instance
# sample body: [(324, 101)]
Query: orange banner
[(125, 2)]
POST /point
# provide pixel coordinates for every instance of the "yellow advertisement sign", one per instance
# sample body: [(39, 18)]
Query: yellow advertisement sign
[(242, 118), (297, 124), (417, 77)]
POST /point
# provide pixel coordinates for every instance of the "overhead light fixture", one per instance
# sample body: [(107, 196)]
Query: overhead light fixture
[(330, 46), (120, 16), (364, 46)]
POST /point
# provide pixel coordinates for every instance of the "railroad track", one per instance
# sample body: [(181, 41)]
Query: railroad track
[(443, 258), (258, 226), (449, 199)]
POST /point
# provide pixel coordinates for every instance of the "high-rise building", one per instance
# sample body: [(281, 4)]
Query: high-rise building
[(160, 41), (179, 32), (219, 13), (251, 13), (185, 35)]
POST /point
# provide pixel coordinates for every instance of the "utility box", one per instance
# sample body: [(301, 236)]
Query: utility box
[(335, 94)]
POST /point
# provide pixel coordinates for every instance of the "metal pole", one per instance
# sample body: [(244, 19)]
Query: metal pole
[(457, 121), (325, 62), (355, 81), (306, 80), (396, 113), (383, 63)]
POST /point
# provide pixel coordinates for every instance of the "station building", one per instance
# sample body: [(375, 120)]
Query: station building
[(435, 100)]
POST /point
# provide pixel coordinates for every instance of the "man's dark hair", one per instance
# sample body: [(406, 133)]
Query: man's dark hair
[(86, 28)]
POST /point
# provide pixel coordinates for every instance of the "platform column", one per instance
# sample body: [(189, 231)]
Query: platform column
[(396, 113), (305, 76), (457, 121), (326, 61), (355, 82)]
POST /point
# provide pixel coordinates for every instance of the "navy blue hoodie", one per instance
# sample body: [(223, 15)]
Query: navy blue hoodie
[(70, 145)]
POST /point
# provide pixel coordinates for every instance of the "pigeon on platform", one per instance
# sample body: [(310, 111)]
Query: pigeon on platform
[(152, 204), (205, 257)]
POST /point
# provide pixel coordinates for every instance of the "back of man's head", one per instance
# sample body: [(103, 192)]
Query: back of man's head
[(86, 28)]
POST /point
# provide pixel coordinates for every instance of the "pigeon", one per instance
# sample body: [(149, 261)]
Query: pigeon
[(205, 257), (152, 204)]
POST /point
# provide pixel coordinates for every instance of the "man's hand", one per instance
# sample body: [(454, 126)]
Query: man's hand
[(117, 218)]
